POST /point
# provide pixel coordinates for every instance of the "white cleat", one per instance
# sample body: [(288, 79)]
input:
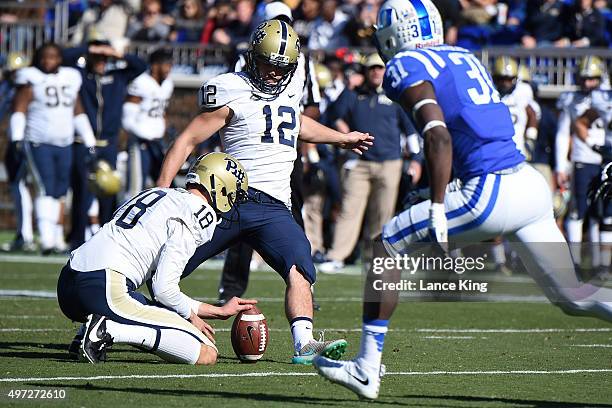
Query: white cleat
[(331, 267), (363, 382)]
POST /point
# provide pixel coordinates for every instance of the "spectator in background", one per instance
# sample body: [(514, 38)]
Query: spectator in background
[(542, 23), (16, 163), (238, 30), (105, 79), (151, 25), (328, 29), (372, 180), (305, 17), (584, 26), (359, 30), (189, 21), (449, 10), (107, 20)]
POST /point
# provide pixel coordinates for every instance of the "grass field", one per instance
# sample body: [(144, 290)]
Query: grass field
[(438, 354)]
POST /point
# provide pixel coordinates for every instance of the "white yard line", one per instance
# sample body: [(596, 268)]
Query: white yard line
[(450, 337), (302, 374), (592, 345), (358, 330)]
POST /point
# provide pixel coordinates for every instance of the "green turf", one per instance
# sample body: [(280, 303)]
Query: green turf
[(409, 348)]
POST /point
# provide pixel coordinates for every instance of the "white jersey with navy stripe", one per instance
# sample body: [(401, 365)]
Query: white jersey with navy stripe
[(572, 105), (602, 104), (152, 236), (517, 102), (263, 131), (155, 98), (51, 111)]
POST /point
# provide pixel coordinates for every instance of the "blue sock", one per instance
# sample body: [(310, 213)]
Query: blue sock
[(372, 342)]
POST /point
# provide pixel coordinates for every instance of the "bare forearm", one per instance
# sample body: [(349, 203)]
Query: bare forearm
[(206, 311), (314, 132), (439, 157), (175, 157)]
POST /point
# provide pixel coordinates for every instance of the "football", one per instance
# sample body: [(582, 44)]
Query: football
[(250, 335)]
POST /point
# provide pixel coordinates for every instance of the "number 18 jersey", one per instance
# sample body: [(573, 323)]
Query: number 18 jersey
[(263, 131), (479, 123)]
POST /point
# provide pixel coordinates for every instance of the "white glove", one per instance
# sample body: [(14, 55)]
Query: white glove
[(438, 226)]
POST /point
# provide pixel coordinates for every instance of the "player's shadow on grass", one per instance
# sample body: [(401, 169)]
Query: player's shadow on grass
[(526, 402), (234, 360), (247, 396), (58, 351)]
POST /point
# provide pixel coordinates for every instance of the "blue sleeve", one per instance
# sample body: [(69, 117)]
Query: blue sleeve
[(340, 109), (135, 66), (70, 56), (406, 70)]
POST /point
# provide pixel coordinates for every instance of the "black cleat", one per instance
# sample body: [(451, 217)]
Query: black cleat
[(75, 345), (96, 340)]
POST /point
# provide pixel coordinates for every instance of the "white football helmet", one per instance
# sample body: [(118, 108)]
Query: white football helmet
[(406, 25)]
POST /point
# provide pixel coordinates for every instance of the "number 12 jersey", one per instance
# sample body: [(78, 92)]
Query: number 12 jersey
[(263, 131)]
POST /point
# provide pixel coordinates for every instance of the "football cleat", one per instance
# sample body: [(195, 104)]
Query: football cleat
[(331, 349), (331, 267), (75, 345), (363, 382), (96, 340)]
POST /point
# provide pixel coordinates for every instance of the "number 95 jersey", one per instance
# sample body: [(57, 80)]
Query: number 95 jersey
[(479, 123), (51, 111), (263, 131)]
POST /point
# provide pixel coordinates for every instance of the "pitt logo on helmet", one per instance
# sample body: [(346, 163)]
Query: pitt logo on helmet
[(222, 176)]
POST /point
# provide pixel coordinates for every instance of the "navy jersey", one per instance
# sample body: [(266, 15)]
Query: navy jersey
[(479, 123)]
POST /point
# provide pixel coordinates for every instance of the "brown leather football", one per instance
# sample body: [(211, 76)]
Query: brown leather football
[(250, 335)]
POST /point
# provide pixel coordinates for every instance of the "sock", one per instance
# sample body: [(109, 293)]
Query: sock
[(47, 212), (499, 254), (372, 341), (574, 236), (594, 242), (60, 243), (134, 335), (91, 230), (301, 330), (176, 346)]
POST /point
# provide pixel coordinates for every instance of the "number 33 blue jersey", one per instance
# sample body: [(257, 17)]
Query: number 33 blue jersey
[(479, 123)]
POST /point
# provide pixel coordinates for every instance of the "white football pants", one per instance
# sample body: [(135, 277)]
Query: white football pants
[(519, 206)]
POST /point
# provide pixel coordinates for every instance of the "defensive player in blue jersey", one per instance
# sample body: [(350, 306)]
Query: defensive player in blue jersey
[(468, 131)]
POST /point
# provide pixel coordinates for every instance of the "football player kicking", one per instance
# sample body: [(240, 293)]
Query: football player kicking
[(151, 237), (466, 127), (257, 113)]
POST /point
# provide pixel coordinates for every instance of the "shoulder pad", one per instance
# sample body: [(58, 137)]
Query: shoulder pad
[(28, 76), (221, 90)]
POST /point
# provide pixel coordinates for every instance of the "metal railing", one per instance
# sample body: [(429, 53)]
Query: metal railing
[(27, 34)]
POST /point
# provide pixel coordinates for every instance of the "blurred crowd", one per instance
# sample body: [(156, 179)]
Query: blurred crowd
[(346, 199), (330, 24)]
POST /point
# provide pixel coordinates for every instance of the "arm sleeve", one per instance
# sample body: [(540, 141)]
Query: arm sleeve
[(405, 70), (135, 66), (70, 56), (217, 92), (341, 107), (129, 117), (174, 255)]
